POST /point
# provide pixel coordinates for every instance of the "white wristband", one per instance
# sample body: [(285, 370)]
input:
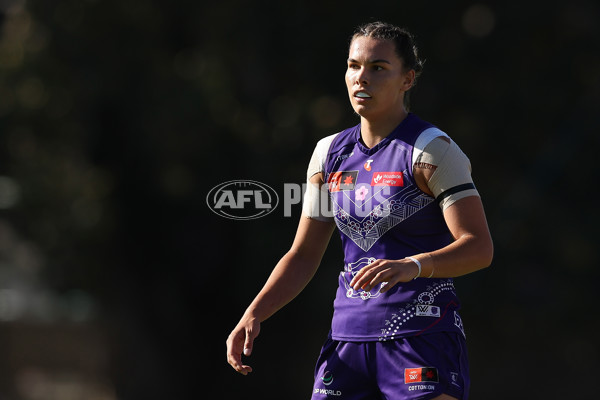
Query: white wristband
[(418, 265)]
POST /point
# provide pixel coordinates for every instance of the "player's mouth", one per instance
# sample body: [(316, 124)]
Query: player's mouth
[(361, 94)]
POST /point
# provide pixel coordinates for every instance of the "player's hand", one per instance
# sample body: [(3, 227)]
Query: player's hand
[(241, 340), (379, 271)]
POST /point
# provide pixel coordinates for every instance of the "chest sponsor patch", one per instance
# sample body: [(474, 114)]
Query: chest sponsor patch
[(423, 374), (387, 179), (342, 180)]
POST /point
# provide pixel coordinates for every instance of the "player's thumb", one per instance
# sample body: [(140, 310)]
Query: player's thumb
[(251, 334), (248, 346)]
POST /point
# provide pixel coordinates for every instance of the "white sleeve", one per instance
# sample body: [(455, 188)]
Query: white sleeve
[(424, 139), (319, 156), (452, 179), (316, 199)]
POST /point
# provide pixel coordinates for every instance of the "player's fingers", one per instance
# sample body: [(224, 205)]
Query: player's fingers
[(234, 352), (364, 280), (398, 272), (387, 287), (390, 284), (235, 360), (361, 279), (364, 275), (372, 276), (246, 369), (385, 275)]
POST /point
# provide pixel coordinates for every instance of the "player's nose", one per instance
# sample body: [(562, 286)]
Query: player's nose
[(361, 77)]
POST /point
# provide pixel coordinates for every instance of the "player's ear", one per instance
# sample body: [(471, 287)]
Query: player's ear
[(409, 80)]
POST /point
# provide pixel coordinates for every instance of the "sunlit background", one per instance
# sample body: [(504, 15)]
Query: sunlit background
[(118, 117)]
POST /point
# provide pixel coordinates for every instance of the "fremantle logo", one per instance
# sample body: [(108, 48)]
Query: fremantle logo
[(350, 272)]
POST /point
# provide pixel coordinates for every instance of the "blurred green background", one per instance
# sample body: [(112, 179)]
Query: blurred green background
[(117, 117)]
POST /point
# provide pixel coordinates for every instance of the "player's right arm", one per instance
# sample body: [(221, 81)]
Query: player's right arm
[(291, 274)]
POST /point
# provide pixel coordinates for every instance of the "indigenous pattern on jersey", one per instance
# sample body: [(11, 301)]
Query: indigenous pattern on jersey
[(382, 214)]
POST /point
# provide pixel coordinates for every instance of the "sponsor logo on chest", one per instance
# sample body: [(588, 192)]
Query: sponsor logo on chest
[(342, 180), (346, 180), (387, 179)]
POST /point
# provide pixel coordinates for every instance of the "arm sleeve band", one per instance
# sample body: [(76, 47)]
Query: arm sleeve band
[(316, 199), (424, 139), (452, 179)]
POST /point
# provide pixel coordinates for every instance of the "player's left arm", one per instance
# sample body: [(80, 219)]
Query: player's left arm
[(444, 173), (452, 186), (472, 248)]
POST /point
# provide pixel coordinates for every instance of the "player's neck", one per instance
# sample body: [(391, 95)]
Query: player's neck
[(373, 131)]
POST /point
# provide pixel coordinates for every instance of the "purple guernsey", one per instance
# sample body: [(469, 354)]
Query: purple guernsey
[(382, 214)]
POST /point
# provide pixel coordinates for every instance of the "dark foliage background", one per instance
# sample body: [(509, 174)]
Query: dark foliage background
[(118, 117)]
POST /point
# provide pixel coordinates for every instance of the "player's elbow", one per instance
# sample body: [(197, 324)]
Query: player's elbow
[(485, 253), (480, 252)]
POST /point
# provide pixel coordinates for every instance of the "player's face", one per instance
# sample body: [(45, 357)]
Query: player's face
[(375, 78)]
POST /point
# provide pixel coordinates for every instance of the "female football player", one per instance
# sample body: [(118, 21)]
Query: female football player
[(400, 192)]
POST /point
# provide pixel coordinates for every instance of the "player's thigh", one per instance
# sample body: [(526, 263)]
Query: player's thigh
[(432, 366), (444, 397), (343, 373)]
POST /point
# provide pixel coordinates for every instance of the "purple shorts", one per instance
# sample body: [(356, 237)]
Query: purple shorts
[(418, 367)]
